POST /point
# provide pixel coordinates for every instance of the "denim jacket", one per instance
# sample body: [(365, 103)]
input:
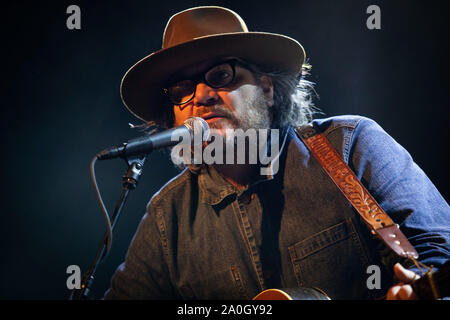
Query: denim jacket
[(202, 239)]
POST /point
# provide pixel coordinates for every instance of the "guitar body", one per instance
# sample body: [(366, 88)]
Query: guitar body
[(292, 294)]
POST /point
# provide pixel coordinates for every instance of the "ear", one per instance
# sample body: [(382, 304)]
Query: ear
[(267, 86)]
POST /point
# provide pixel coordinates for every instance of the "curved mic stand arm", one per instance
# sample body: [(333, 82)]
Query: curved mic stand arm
[(129, 182)]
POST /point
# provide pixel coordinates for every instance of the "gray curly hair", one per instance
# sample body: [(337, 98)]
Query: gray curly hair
[(293, 97)]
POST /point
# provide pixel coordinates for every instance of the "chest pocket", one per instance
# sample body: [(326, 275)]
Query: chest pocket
[(332, 260)]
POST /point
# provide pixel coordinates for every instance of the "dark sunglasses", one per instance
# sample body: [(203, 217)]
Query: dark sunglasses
[(219, 76)]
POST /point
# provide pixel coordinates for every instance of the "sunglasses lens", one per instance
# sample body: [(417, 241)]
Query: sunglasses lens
[(181, 91), (220, 76)]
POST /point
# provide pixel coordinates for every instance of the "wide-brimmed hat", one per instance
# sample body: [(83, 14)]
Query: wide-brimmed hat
[(196, 35)]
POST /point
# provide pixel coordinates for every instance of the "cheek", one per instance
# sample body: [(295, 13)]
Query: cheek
[(181, 115), (238, 97)]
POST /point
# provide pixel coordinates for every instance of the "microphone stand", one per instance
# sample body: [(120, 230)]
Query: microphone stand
[(129, 182)]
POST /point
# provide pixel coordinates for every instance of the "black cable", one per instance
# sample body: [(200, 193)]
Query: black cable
[(102, 207)]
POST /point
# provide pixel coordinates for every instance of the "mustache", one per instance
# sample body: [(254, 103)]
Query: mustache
[(217, 111)]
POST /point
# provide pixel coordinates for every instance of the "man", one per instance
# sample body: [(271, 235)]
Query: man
[(224, 231)]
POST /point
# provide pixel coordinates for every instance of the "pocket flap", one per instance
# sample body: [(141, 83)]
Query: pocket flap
[(321, 240)]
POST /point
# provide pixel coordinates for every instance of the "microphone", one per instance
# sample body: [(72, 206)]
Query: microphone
[(194, 127)]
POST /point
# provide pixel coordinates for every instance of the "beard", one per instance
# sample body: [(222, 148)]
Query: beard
[(251, 112)]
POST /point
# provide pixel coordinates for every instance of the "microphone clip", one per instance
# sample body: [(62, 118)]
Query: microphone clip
[(134, 172)]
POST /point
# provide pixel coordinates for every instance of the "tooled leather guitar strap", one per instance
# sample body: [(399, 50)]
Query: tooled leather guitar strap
[(371, 212)]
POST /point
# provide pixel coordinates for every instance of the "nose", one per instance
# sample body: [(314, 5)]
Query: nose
[(205, 95)]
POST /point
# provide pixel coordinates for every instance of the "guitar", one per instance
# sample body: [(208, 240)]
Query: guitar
[(431, 286), (299, 293)]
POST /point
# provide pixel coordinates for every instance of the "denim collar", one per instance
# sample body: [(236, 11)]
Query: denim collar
[(214, 188)]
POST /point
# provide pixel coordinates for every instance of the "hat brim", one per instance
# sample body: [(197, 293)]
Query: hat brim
[(142, 86)]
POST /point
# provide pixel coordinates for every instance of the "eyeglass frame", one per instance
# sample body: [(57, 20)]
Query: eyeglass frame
[(202, 78)]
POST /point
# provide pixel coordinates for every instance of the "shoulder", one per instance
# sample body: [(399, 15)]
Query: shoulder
[(338, 123), (346, 132), (364, 144), (177, 185)]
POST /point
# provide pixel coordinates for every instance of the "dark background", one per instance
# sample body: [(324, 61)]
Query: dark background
[(61, 105)]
